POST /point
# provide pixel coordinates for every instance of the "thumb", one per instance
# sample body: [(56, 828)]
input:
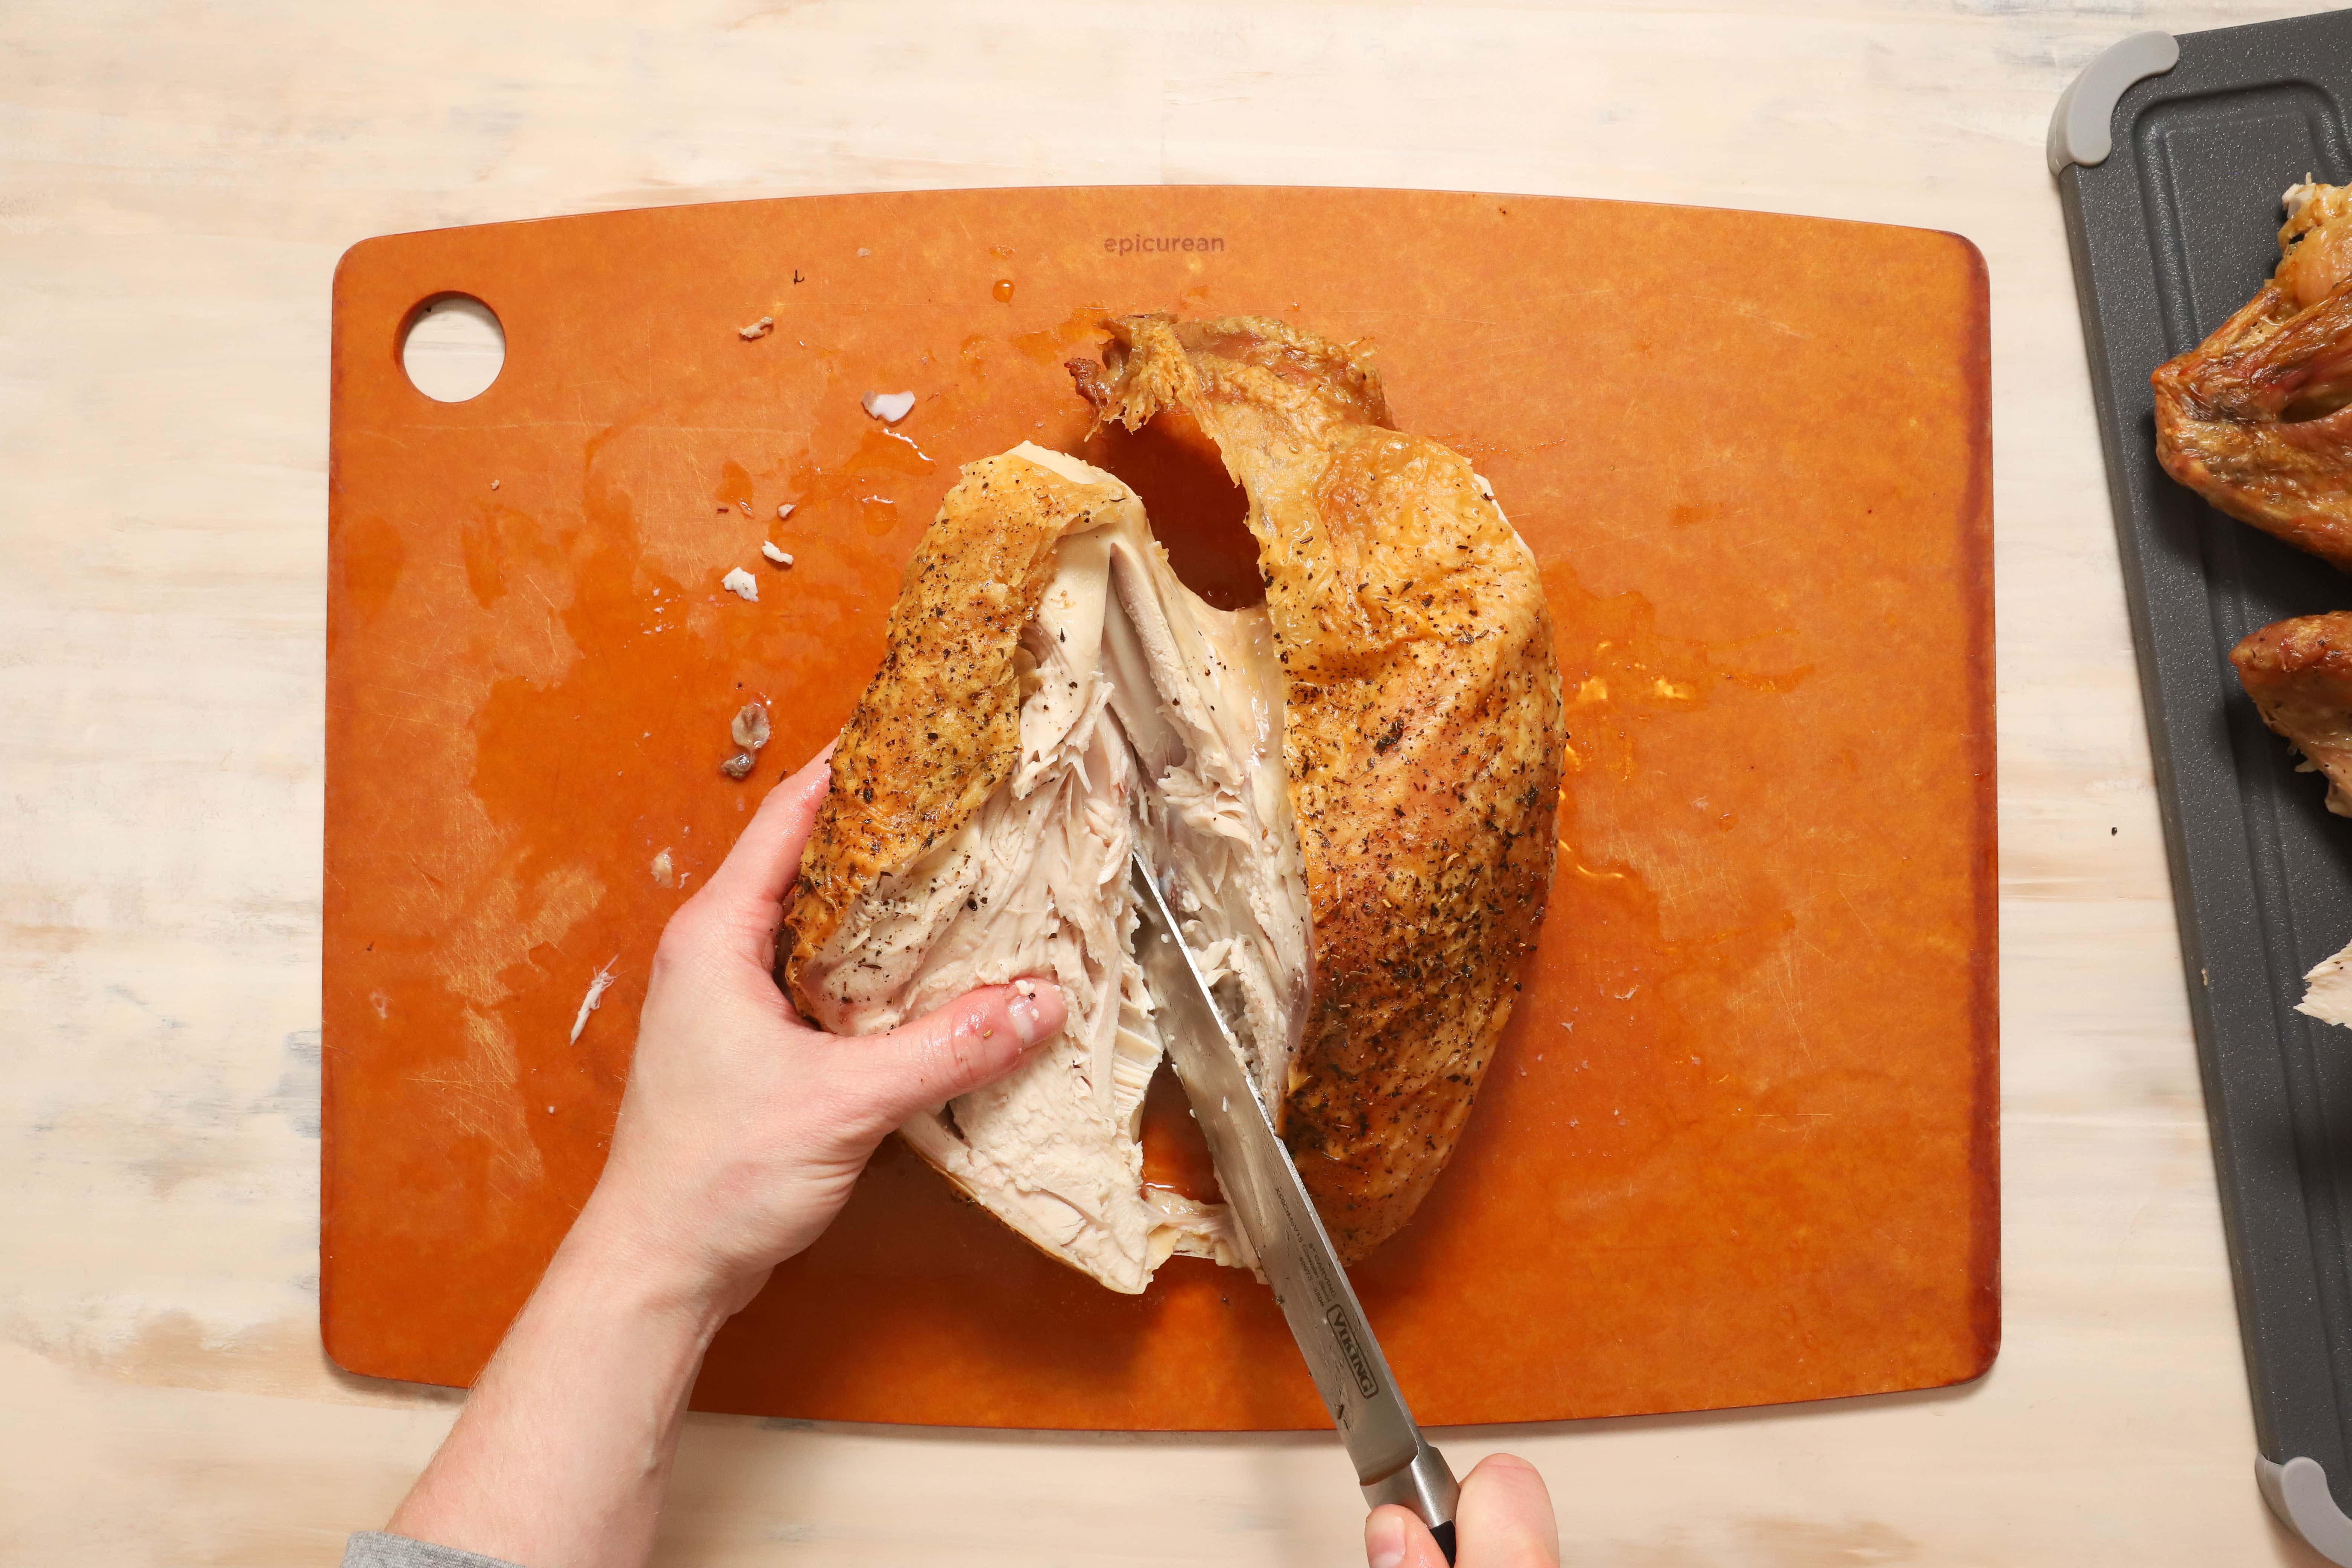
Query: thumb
[(978, 1038), (1395, 1538), (1506, 1509)]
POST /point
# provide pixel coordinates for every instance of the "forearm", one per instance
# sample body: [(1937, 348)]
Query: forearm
[(561, 1456), (741, 1135)]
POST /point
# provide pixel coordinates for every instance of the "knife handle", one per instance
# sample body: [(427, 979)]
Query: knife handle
[(1424, 1485)]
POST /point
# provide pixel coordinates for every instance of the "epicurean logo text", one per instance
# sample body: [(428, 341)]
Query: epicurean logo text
[(1138, 244)]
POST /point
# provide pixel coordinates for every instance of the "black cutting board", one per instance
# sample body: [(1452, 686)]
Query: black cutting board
[(2171, 233)]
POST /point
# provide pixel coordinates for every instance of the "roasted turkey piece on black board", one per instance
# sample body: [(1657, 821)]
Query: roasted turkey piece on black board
[(1351, 789), (2299, 673), (2255, 419)]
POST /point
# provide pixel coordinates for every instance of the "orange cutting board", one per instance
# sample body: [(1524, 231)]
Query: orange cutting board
[(1739, 1145)]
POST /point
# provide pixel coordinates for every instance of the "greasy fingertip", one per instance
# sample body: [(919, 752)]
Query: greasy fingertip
[(1037, 1010)]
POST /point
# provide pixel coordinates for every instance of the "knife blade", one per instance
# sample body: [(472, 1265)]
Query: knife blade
[(1393, 1462)]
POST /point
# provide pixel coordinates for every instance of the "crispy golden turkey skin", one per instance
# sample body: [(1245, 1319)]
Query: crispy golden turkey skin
[(1401, 672), (1420, 735), (938, 731)]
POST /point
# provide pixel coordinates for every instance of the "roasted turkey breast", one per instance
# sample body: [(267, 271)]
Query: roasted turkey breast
[(1348, 791), (2255, 419)]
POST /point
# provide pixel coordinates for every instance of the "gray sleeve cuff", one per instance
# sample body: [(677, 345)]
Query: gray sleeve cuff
[(374, 1548)]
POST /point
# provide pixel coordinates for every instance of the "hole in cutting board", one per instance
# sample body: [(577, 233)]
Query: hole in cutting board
[(451, 348)]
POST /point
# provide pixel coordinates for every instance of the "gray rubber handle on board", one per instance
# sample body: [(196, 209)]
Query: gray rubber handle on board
[(2078, 126), (2297, 1492)]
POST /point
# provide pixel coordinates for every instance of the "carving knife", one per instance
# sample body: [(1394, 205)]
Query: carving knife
[(1393, 1462)]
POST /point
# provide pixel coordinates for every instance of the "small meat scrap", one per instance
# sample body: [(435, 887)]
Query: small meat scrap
[(742, 584), (783, 511), (598, 984), (749, 730), (2327, 994), (889, 406), (757, 330), (774, 554), (665, 874)]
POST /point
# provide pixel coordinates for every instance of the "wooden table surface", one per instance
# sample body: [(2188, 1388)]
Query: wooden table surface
[(175, 186)]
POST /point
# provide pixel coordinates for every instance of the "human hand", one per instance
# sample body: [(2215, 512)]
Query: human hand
[(742, 1130), (1503, 1520)]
